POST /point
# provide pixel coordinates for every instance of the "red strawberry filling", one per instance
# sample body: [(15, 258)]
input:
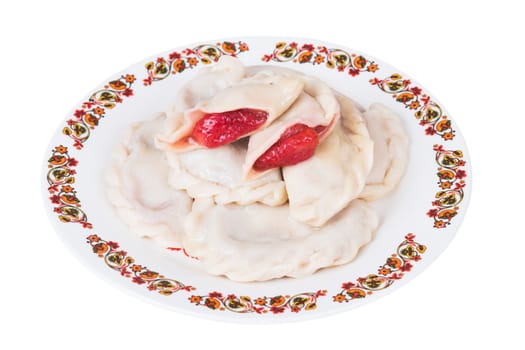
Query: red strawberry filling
[(217, 129), (296, 144)]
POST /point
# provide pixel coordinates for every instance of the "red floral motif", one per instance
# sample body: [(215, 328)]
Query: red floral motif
[(451, 180), (60, 177), (262, 305), (178, 62), (351, 63), (428, 112), (393, 269), (86, 118), (120, 261)]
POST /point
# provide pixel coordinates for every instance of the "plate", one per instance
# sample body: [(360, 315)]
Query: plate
[(417, 222)]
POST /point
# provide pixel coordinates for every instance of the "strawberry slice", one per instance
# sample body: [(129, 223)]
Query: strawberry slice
[(296, 144), (217, 129)]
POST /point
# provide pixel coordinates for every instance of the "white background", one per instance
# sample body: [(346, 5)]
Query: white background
[(469, 56)]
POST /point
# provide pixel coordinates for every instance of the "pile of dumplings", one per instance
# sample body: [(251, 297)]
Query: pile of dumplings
[(252, 225)]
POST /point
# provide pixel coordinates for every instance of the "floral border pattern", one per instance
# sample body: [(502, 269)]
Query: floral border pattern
[(333, 58), (244, 304), (428, 112), (392, 270), (451, 174), (119, 260), (92, 111), (178, 62), (60, 177)]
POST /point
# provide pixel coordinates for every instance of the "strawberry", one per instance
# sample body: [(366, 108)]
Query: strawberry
[(217, 129), (296, 144)]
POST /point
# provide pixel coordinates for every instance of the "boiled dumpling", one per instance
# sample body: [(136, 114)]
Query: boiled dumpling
[(321, 186), (258, 242), (265, 91), (208, 80), (390, 151), (137, 186), (216, 173), (169, 184), (316, 107), (227, 72)]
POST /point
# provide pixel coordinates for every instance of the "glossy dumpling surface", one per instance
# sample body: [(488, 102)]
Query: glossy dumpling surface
[(321, 186), (390, 151), (258, 242), (217, 174), (208, 80), (315, 107), (137, 186), (264, 91)]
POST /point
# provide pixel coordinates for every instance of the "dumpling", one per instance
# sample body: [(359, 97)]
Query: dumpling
[(316, 107), (208, 80), (323, 185), (137, 186), (258, 242), (264, 93), (243, 220), (390, 151), (216, 173)]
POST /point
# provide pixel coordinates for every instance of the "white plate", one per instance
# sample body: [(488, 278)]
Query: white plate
[(418, 220)]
